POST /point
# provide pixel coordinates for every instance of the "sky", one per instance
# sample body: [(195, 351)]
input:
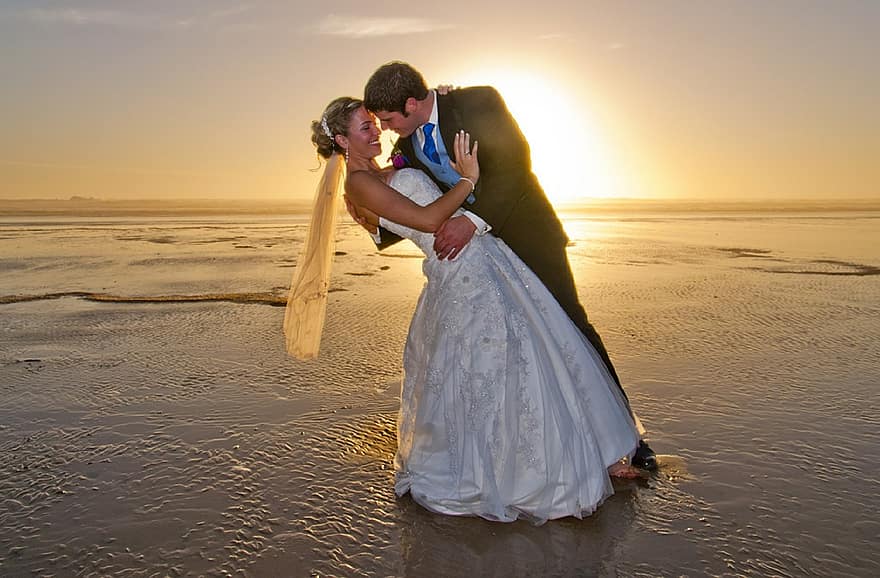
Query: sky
[(213, 99)]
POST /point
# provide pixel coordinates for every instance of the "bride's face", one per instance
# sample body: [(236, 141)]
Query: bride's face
[(363, 135)]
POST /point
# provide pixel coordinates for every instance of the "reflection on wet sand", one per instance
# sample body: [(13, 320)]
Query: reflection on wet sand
[(151, 423), (559, 548)]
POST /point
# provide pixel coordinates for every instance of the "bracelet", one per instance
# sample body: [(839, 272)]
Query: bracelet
[(473, 184)]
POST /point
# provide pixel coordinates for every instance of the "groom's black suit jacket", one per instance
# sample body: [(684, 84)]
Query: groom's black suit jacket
[(508, 195)]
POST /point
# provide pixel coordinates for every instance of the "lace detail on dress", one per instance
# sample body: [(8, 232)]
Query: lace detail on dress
[(414, 184)]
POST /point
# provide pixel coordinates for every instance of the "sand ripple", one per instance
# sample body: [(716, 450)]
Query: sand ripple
[(146, 434)]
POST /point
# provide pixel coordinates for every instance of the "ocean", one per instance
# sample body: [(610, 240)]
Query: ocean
[(152, 424)]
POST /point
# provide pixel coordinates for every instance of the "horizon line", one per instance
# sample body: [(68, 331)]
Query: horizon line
[(580, 201)]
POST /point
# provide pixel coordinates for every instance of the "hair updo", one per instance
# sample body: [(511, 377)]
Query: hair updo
[(336, 117)]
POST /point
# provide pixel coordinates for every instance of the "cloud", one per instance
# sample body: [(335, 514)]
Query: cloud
[(232, 11), (74, 16), (112, 18), (374, 27), (553, 36)]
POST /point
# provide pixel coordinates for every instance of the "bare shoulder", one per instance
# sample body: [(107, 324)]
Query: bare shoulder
[(357, 181), (361, 178), (361, 184)]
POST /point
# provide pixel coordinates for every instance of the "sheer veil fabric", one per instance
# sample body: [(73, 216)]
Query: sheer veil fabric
[(307, 300)]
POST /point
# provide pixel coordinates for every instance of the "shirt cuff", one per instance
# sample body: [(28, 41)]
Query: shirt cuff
[(482, 226)]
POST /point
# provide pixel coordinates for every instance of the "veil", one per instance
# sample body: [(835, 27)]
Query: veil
[(307, 300)]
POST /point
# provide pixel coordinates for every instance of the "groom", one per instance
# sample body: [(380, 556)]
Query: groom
[(507, 200)]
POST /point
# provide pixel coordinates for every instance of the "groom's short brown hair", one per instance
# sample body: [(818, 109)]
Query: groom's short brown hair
[(391, 85)]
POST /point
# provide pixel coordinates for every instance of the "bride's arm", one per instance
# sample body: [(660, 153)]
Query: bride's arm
[(373, 194)]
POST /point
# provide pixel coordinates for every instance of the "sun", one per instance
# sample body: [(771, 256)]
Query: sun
[(567, 156)]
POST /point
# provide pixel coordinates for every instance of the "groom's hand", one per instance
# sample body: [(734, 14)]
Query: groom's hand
[(452, 236)]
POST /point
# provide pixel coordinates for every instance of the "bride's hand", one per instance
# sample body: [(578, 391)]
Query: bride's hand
[(444, 89), (466, 163)]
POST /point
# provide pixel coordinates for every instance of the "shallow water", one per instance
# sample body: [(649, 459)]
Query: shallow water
[(146, 433)]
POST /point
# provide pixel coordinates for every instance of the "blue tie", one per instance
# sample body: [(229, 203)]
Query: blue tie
[(430, 147)]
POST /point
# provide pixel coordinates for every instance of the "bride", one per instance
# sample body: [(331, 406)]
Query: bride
[(506, 410)]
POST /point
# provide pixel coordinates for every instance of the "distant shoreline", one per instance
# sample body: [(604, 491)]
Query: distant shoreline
[(88, 207), (85, 207)]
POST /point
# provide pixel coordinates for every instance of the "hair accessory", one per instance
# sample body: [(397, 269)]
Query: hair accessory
[(326, 128)]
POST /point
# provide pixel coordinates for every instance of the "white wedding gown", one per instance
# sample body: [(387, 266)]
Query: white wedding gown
[(506, 410)]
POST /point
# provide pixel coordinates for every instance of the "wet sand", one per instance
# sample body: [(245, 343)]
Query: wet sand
[(151, 423)]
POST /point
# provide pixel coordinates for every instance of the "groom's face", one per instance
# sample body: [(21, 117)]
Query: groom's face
[(403, 124), (396, 121)]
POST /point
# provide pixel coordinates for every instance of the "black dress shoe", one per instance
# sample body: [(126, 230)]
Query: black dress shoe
[(644, 457)]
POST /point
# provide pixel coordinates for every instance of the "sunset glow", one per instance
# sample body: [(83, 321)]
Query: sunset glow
[(636, 100), (567, 153)]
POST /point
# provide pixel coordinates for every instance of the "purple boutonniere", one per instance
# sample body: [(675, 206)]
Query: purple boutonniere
[(398, 160)]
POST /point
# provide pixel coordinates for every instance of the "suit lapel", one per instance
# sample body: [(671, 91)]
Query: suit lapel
[(449, 118)]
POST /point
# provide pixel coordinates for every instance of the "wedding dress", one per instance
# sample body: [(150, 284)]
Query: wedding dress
[(506, 410)]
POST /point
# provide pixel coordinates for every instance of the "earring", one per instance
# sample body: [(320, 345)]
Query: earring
[(346, 155)]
